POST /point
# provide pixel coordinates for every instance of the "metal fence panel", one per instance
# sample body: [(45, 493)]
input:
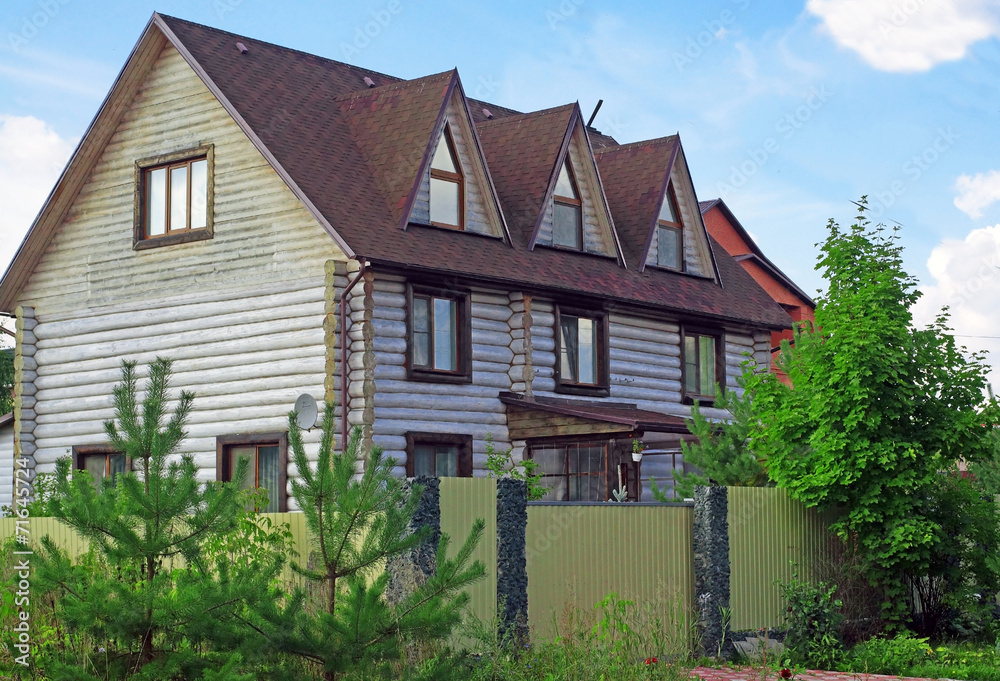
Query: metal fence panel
[(577, 555), (769, 535), (462, 501)]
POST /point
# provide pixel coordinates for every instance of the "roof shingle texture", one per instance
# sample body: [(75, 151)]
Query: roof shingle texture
[(343, 160)]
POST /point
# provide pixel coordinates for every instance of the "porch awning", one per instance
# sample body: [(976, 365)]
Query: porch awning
[(535, 417)]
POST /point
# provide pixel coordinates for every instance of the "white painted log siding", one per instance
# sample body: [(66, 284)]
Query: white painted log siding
[(6, 465), (246, 360), (645, 360), (241, 314), (477, 216), (262, 232), (403, 405)]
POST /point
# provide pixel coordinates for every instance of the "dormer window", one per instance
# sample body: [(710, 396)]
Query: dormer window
[(447, 189), (669, 234), (567, 211)]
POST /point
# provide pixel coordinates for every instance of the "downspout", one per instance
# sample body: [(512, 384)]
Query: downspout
[(344, 373)]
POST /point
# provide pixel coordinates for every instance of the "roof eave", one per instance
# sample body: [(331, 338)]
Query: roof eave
[(58, 200)]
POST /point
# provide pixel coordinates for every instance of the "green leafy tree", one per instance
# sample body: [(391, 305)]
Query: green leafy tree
[(6, 380), (986, 472), (357, 521), (876, 409), (721, 452), (161, 608)]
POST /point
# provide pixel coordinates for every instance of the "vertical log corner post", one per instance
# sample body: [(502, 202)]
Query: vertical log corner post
[(710, 539), (409, 570), (25, 372), (512, 567)]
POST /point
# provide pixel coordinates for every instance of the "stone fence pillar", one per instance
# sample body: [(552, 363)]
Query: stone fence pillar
[(512, 567), (409, 570), (711, 569)]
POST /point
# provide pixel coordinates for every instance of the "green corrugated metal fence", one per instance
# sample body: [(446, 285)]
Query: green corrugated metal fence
[(768, 532), (577, 555), (462, 501)]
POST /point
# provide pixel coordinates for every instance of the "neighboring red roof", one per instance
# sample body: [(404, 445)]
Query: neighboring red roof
[(755, 254)]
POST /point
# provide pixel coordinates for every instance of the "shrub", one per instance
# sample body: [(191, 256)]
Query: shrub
[(813, 619), (889, 655)]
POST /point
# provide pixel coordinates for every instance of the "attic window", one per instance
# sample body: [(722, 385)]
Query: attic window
[(174, 195), (669, 234), (447, 190), (567, 211)]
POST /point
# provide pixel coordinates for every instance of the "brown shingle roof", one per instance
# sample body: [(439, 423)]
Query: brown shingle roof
[(393, 126), (635, 178), (338, 163), (522, 152), (316, 143)]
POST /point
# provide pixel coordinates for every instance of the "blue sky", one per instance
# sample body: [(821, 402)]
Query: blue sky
[(789, 110)]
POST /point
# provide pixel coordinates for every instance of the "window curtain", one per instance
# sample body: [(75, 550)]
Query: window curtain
[(570, 368), (267, 472)]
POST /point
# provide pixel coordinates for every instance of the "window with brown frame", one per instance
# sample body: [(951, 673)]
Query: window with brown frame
[(574, 471), (567, 210), (440, 338), (100, 461), (670, 234), (581, 352), (438, 455), (447, 186), (268, 470), (703, 362), (174, 196)]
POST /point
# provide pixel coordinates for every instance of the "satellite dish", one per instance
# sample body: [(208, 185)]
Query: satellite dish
[(306, 411)]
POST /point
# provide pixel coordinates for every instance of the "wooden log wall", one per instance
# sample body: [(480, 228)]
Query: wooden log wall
[(244, 314), (6, 466), (403, 405), (478, 216)]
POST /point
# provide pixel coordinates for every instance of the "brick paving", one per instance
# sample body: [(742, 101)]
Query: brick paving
[(749, 674)]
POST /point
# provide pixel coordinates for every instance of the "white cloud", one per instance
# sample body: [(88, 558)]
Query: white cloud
[(977, 192), (32, 155), (966, 276), (908, 35)]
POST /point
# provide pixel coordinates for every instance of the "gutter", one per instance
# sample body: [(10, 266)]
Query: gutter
[(343, 350)]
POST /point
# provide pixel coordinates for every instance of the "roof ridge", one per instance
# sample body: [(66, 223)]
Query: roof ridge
[(312, 55), (636, 145), (526, 115), (398, 85)]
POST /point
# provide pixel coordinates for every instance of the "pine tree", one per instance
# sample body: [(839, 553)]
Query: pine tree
[(721, 453), (160, 606), (357, 521)]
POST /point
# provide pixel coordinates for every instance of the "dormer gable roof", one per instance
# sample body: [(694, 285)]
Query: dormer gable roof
[(397, 128), (526, 154), (637, 179)]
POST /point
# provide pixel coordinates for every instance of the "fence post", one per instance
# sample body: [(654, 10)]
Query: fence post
[(409, 570), (512, 565), (710, 540)]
